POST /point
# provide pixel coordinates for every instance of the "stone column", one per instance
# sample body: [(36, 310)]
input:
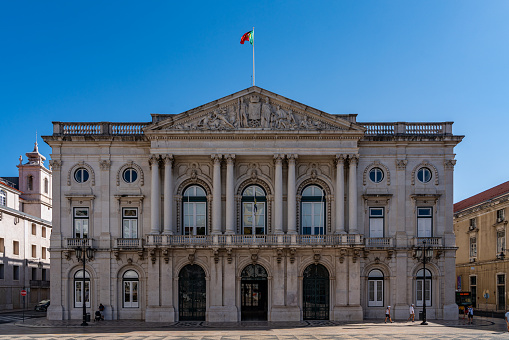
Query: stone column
[(230, 195), (155, 196), (278, 195), (292, 196), (168, 195), (216, 195), (340, 194), (352, 195)]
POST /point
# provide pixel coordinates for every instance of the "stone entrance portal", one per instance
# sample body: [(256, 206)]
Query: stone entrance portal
[(254, 293)]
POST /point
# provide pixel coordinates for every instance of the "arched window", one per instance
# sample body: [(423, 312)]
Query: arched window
[(254, 209), (130, 282), (423, 288), (375, 288), (30, 184), (3, 198), (194, 207), (81, 294), (312, 211), (46, 186)]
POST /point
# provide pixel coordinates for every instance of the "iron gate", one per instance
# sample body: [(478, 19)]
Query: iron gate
[(316, 293), (192, 293), (254, 293)]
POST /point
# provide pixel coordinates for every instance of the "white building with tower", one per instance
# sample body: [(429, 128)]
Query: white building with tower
[(253, 207), (25, 230)]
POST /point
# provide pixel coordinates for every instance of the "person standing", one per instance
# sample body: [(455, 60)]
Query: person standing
[(412, 313), (507, 320), (388, 314), (470, 315)]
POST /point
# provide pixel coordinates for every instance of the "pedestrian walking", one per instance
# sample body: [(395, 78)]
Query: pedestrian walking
[(507, 320), (470, 315), (412, 313), (388, 314)]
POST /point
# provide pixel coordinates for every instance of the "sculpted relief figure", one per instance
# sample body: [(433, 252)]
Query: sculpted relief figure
[(215, 120), (254, 110), (266, 113)]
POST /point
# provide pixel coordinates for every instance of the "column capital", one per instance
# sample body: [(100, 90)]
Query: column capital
[(168, 159), (449, 164), (340, 159), (216, 158), (278, 158), (230, 158), (353, 158), (292, 157), (153, 159)]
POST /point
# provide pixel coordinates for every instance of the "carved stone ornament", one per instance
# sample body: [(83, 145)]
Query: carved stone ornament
[(216, 255), (105, 164), (116, 253), (254, 258), (166, 255), (449, 164), (292, 255), (55, 164), (401, 164), (67, 255), (356, 254), (390, 253), (342, 254), (229, 255), (130, 261), (279, 252), (253, 112), (191, 258), (316, 258)]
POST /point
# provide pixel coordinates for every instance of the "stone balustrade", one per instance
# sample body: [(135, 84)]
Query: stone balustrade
[(128, 243), (404, 128), (430, 241), (101, 128), (79, 242), (379, 242)]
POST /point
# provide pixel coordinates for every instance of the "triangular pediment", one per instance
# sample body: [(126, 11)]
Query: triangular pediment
[(254, 109)]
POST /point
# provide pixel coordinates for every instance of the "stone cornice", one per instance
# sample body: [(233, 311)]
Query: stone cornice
[(482, 206), (17, 213)]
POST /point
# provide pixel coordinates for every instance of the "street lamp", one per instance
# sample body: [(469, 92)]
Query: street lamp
[(80, 255), (425, 252)]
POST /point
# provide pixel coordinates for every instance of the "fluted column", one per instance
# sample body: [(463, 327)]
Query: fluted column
[(168, 195), (155, 196), (292, 196), (216, 195), (352, 195), (340, 194), (230, 195), (278, 195)]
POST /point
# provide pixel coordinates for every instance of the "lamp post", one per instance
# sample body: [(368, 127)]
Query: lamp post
[(81, 252), (426, 253)]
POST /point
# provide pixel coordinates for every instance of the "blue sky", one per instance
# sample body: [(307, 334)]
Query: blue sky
[(384, 60)]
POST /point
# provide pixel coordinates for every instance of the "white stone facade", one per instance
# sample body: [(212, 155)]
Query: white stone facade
[(230, 212), (25, 230)]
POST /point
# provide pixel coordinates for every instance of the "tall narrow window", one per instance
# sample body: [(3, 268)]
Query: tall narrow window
[(34, 273), (376, 288), (34, 250), (3, 198), (81, 222), (313, 211), (81, 293), (46, 186), (423, 288), (43, 274), (501, 291), (195, 211), (2, 246), (473, 246), (2, 271), (15, 273), (129, 223), (43, 253), (130, 289), (425, 222), (43, 231), (500, 242), (376, 222), (34, 229), (500, 215), (473, 290), (30, 183), (15, 247), (253, 210)]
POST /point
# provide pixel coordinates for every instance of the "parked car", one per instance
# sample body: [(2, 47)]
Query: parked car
[(42, 306)]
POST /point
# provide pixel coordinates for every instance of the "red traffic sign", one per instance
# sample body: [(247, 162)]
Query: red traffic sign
[(23, 292)]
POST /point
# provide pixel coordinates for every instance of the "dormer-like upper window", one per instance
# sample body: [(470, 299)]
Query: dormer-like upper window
[(3, 198)]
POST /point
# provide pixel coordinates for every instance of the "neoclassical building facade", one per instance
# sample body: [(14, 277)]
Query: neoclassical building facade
[(252, 207)]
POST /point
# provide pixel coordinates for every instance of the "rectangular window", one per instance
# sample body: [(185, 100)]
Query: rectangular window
[(2, 273), (34, 229), (312, 218), (129, 223), (34, 273), (195, 218), (501, 291), (80, 222), (78, 293), (43, 253), (2, 249), (131, 294), (34, 250), (425, 222), (473, 224), (376, 222), (423, 293), (500, 242), (500, 215), (375, 293), (43, 274), (15, 247), (473, 247), (15, 273), (473, 290), (43, 232)]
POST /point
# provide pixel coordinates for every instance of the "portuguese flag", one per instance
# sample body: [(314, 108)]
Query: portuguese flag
[(249, 36)]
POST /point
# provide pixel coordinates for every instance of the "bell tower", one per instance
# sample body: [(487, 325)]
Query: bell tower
[(35, 184)]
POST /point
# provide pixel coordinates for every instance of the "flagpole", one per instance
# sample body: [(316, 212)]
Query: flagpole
[(253, 60)]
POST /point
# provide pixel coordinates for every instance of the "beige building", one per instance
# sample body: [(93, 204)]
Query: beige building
[(25, 229), (252, 207), (480, 224)]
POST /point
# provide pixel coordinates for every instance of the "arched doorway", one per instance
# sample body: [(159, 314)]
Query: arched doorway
[(316, 293), (254, 297), (192, 293)]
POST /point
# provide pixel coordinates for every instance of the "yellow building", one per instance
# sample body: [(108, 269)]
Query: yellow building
[(480, 225)]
